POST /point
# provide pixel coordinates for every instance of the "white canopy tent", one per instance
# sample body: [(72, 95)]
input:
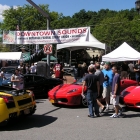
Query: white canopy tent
[(123, 53), (91, 42), (10, 55)]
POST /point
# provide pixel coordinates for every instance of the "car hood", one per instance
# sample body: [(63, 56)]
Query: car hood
[(8, 75), (65, 88), (132, 92)]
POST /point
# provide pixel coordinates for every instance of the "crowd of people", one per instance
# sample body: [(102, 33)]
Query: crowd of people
[(17, 78), (101, 79), (103, 82)]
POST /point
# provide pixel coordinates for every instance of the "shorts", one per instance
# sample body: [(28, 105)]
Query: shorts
[(101, 92), (115, 101), (107, 91)]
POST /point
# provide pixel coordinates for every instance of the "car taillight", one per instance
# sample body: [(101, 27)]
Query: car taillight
[(32, 94), (7, 99)]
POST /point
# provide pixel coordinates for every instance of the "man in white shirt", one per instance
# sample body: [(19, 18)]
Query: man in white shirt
[(33, 68)]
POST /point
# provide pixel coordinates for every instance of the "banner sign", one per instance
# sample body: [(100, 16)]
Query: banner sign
[(9, 37), (47, 36)]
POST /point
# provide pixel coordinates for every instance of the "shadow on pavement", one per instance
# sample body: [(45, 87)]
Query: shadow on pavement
[(70, 107), (52, 111), (124, 115), (28, 122)]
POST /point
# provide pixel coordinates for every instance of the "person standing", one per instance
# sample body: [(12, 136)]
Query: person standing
[(131, 71), (2, 76), (124, 70), (20, 67), (100, 75), (107, 84), (75, 72), (137, 72), (116, 92), (33, 68), (58, 70), (17, 80), (93, 88), (93, 59)]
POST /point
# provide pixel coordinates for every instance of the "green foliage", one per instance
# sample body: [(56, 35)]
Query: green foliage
[(108, 26)]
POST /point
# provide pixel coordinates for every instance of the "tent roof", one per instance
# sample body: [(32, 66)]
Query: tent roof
[(51, 58), (10, 55), (91, 43), (123, 53)]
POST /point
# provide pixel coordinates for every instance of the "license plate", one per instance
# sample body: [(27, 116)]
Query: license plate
[(27, 111), (52, 101)]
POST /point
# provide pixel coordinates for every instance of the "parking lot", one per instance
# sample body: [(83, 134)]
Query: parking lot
[(71, 123)]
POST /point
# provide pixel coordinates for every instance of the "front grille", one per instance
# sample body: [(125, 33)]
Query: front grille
[(138, 104), (10, 105), (62, 100), (129, 104), (24, 101)]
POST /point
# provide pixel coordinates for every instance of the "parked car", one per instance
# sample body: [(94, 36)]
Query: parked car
[(40, 85), (9, 71), (15, 103), (70, 94), (131, 97)]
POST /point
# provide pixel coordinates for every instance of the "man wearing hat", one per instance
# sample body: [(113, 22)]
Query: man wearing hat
[(107, 84)]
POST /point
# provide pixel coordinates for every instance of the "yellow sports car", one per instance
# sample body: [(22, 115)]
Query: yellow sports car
[(14, 103)]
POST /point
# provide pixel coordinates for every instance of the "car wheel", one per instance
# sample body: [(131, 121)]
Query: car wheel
[(33, 111), (84, 102)]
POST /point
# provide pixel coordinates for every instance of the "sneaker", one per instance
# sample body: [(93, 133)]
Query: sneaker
[(98, 115), (120, 113), (90, 116), (114, 116)]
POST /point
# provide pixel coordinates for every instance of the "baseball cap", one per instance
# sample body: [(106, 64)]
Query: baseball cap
[(107, 63)]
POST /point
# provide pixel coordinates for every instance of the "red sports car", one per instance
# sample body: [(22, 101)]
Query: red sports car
[(131, 97), (70, 94)]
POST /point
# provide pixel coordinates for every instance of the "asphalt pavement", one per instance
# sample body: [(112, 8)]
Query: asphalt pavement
[(71, 123)]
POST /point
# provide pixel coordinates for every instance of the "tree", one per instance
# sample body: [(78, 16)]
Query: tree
[(28, 18), (118, 29)]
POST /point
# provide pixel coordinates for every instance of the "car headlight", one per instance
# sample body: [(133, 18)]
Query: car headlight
[(73, 90)]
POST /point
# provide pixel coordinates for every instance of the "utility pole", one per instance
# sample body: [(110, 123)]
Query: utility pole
[(46, 15)]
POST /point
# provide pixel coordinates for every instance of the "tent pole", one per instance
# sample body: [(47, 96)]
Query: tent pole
[(70, 58), (56, 52), (105, 48)]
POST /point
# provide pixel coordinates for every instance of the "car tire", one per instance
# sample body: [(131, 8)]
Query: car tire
[(33, 111), (4, 123), (84, 102)]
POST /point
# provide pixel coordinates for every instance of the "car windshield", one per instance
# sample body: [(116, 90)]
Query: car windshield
[(79, 82), (8, 70)]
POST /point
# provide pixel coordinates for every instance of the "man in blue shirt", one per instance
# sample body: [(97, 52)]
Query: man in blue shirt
[(107, 84)]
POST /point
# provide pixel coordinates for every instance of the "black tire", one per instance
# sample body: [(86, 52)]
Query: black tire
[(84, 102), (33, 111)]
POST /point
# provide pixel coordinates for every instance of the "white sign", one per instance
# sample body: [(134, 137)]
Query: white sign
[(51, 36), (47, 49)]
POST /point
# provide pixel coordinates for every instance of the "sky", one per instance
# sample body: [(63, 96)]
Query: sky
[(69, 7)]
